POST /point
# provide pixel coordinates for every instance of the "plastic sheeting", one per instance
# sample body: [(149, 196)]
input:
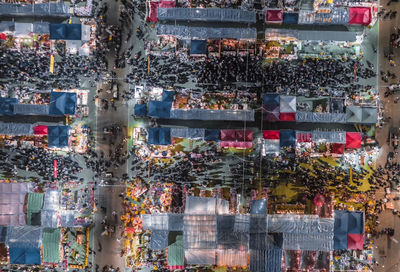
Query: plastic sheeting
[(198, 47), (200, 232), (189, 133), (212, 135), (230, 235), (287, 138), (7, 105), (287, 103), (43, 9), (23, 29), (290, 18), (168, 96), (337, 16), (188, 32), (339, 36), (316, 117), (16, 129), (266, 260), (140, 110), (159, 239), (67, 218), (200, 205), (200, 256), (51, 200), (231, 257), (202, 114), (292, 223), (31, 109), (329, 136), (65, 31), (49, 218), (303, 241), (3, 234), (7, 26), (12, 200), (207, 15), (41, 28), (24, 236)]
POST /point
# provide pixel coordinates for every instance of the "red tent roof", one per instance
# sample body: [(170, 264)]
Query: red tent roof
[(228, 135), (355, 241), (287, 116), (319, 200), (236, 144), (40, 130), (271, 134), (244, 135), (304, 137), (274, 16), (167, 4), (353, 140), (153, 16), (337, 148), (360, 16)]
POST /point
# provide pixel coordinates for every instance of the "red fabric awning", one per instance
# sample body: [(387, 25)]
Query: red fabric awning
[(228, 135), (167, 4), (244, 135), (304, 137), (353, 140), (176, 267), (337, 148), (40, 130), (274, 16), (355, 241), (226, 144), (360, 16), (271, 134), (287, 116), (3, 37), (153, 15)]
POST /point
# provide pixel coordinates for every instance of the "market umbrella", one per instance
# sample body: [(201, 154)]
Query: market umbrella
[(319, 200)]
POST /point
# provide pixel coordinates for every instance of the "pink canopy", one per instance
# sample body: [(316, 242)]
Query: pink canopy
[(304, 137), (40, 130), (228, 135), (355, 241), (167, 4), (360, 16), (337, 148), (244, 135), (274, 16), (271, 134), (353, 140), (153, 13), (225, 144)]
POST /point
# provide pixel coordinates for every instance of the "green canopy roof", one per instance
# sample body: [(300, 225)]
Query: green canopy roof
[(51, 245), (176, 254), (35, 204)]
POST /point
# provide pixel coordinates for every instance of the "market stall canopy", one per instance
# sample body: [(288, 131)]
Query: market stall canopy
[(52, 9), (207, 15), (176, 255), (355, 241), (339, 36), (24, 237), (7, 105), (271, 146), (62, 103), (23, 29), (51, 245), (243, 135), (271, 134), (369, 115), (271, 113), (353, 140), (198, 47), (35, 204), (340, 241), (28, 256), (159, 136), (58, 136), (360, 16), (140, 110), (287, 138), (204, 114), (168, 96), (354, 114), (337, 148), (153, 9), (16, 129), (287, 103), (320, 117), (200, 205), (188, 133), (231, 257), (159, 109), (258, 206), (290, 18), (65, 31), (287, 116), (7, 26), (159, 240), (41, 28), (212, 135), (274, 16), (31, 109), (304, 137), (355, 223), (203, 32), (308, 241), (12, 201), (228, 135), (271, 99)]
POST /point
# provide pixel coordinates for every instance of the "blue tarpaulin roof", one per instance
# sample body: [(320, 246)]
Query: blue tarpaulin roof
[(341, 222), (339, 241), (6, 105), (62, 103), (211, 135), (290, 18), (198, 47), (58, 136), (140, 110), (258, 206), (356, 223), (168, 96), (28, 256), (271, 99), (159, 136), (287, 138), (159, 109), (65, 31)]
